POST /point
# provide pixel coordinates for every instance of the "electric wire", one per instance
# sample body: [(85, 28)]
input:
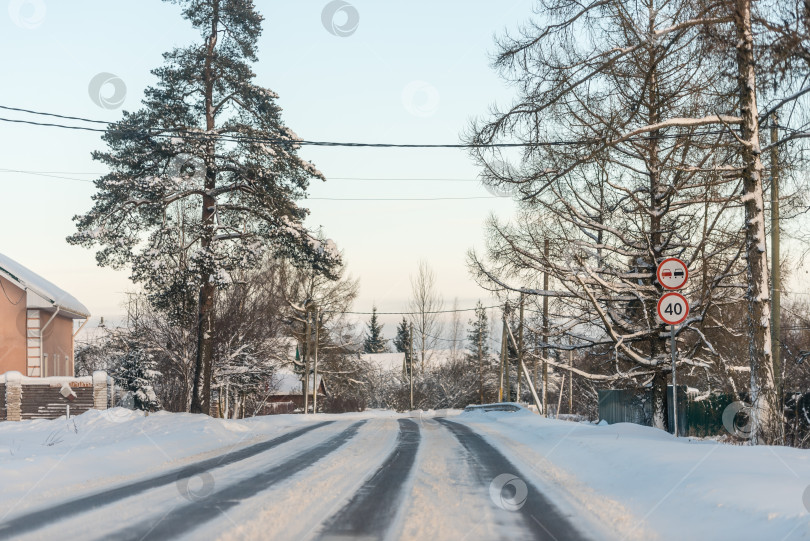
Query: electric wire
[(184, 133)]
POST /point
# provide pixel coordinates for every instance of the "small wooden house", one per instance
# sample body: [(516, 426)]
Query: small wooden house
[(36, 323), (288, 395)]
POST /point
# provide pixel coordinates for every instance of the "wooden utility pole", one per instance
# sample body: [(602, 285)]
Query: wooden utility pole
[(570, 380), (545, 333), (535, 363), (480, 366), (305, 384), (501, 364), (410, 359), (505, 357), (315, 375), (776, 285), (520, 346)]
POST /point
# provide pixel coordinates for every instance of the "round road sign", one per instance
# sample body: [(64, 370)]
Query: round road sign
[(672, 273), (673, 308)]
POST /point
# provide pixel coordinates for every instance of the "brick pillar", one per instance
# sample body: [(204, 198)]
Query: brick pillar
[(100, 390), (13, 396), (34, 344)]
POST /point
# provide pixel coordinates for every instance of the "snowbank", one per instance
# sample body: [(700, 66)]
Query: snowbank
[(98, 449), (640, 483)]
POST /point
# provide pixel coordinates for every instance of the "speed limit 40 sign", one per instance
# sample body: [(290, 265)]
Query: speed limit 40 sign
[(673, 308)]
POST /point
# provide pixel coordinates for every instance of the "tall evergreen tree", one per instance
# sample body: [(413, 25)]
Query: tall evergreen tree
[(374, 343), (478, 345), (402, 341), (203, 178)]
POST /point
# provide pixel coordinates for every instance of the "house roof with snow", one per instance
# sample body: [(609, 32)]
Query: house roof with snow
[(290, 384), (41, 293), (392, 362)]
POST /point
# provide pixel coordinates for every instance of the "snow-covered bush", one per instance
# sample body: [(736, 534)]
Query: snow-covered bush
[(135, 375)]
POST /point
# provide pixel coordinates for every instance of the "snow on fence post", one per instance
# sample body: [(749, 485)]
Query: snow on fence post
[(100, 390), (14, 396), (111, 388)]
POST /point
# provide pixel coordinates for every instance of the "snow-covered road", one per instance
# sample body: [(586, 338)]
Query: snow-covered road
[(380, 475), (366, 479)]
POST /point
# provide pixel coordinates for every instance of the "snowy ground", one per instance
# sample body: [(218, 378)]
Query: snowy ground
[(608, 482)]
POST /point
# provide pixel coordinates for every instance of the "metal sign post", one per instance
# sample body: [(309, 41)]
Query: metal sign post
[(673, 350), (673, 308)]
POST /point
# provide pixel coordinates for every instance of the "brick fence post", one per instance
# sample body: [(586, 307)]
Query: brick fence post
[(100, 390), (13, 396)]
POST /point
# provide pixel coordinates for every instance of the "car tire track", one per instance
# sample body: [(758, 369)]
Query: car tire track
[(41, 518), (541, 518), (372, 510), (182, 520)]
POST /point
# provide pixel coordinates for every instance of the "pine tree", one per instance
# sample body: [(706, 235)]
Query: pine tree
[(402, 341), (478, 345), (203, 179), (135, 374), (374, 343)]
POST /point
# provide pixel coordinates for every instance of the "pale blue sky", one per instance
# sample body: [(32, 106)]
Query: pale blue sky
[(352, 88)]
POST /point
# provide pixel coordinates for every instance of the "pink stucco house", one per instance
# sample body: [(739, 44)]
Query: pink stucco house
[(36, 323)]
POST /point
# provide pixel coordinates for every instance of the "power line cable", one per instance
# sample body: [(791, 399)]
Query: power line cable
[(43, 174), (329, 177), (406, 313), (184, 133), (40, 113), (403, 198)]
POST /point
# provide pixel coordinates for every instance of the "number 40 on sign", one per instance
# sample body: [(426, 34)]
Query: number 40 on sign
[(673, 308)]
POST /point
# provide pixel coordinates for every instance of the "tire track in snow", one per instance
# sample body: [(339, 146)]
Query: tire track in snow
[(445, 498), (322, 491), (542, 519), (606, 518), (41, 518), (373, 509), (183, 520)]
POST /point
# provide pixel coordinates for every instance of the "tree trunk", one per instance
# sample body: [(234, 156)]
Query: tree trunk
[(200, 402), (658, 206), (763, 397), (305, 382), (544, 393)]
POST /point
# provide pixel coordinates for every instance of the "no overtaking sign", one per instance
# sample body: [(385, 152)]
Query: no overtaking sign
[(672, 273)]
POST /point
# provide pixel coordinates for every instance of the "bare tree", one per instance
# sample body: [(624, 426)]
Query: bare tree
[(635, 89), (424, 305), (456, 331)]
